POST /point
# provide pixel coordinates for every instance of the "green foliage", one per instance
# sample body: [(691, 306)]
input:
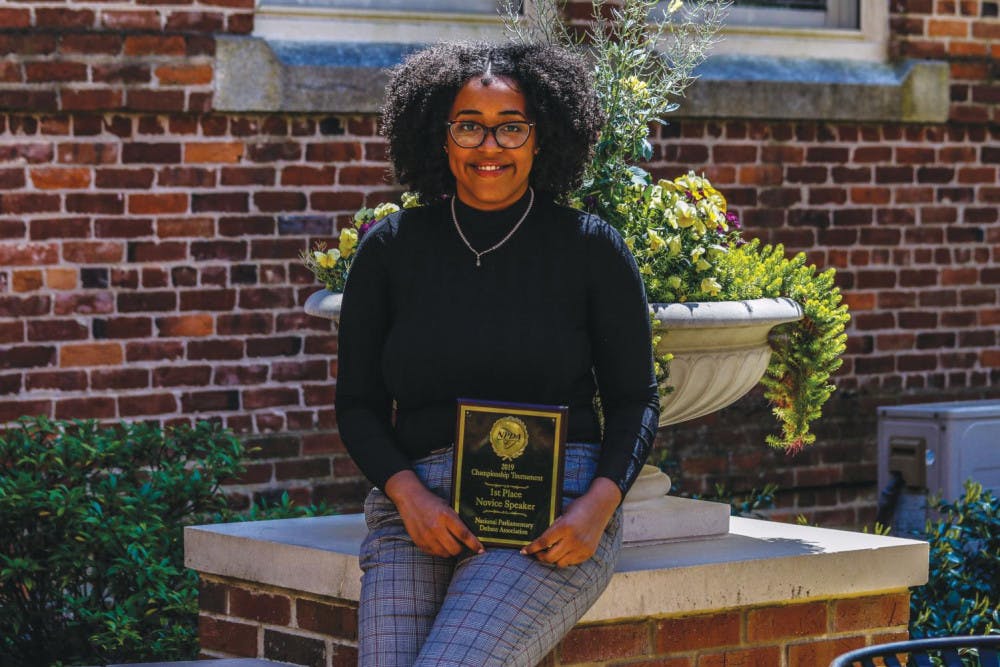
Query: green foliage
[(263, 511), (331, 265), (684, 239), (749, 505), (644, 58), (92, 564), (805, 353), (962, 595)]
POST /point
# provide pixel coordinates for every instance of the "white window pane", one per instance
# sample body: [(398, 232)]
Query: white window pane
[(410, 6), (841, 14)]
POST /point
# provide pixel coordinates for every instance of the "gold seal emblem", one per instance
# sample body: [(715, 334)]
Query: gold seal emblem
[(509, 437)]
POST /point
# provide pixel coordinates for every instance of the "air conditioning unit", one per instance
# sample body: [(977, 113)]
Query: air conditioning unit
[(933, 448)]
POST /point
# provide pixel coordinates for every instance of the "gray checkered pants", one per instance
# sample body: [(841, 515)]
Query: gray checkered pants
[(499, 608)]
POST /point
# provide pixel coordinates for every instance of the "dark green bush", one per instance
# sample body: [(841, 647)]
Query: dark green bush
[(962, 595), (91, 554), (91, 563)]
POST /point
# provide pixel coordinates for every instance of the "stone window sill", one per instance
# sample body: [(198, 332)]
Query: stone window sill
[(254, 75)]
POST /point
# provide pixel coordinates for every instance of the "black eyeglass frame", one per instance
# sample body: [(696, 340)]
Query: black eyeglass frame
[(491, 130)]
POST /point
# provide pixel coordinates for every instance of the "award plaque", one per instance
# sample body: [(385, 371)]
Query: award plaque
[(508, 469)]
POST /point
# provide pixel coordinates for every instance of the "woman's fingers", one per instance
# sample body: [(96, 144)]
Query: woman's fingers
[(440, 532), (543, 542), (570, 540), (461, 532)]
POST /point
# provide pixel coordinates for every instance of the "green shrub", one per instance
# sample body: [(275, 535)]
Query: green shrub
[(91, 566), (962, 595), (92, 557)]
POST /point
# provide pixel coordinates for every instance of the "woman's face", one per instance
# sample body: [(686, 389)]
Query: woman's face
[(490, 177)]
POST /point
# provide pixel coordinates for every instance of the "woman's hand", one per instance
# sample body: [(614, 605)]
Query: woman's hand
[(432, 525), (574, 536)]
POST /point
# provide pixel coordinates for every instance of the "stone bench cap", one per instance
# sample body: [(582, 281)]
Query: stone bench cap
[(758, 562), (225, 662)]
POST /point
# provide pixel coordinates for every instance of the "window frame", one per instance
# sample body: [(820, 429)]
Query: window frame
[(310, 20), (868, 42), (316, 21)]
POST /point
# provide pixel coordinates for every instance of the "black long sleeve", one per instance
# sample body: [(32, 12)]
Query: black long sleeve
[(554, 314)]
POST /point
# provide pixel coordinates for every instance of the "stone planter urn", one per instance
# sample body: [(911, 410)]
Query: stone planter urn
[(720, 352), (325, 303)]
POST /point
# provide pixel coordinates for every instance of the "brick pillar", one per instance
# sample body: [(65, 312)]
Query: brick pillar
[(243, 619)]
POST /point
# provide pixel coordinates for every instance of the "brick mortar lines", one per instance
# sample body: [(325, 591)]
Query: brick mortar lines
[(133, 19), (292, 628), (289, 629), (292, 595), (784, 644)]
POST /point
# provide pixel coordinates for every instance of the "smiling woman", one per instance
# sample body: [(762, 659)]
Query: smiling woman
[(493, 291), (491, 163)]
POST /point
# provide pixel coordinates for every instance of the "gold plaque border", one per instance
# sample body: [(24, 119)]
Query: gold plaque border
[(471, 406)]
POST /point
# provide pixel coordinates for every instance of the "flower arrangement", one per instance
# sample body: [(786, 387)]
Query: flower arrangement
[(678, 230), (330, 266), (685, 240)]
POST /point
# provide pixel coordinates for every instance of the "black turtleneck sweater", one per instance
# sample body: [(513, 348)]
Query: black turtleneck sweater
[(553, 315)]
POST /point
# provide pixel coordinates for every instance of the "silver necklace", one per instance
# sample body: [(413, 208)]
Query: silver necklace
[(478, 254)]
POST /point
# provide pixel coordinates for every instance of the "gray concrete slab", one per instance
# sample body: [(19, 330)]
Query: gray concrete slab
[(254, 74)]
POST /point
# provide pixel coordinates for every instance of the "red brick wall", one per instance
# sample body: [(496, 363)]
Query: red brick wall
[(148, 246), (240, 619)]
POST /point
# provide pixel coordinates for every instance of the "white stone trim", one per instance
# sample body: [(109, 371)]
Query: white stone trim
[(757, 563)]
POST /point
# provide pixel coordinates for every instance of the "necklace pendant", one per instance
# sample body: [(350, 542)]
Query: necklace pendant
[(478, 263)]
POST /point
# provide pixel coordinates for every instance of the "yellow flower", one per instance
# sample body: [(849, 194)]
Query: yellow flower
[(711, 286), (702, 265), (410, 200), (327, 259), (687, 215), (669, 186), (708, 208), (656, 242), (674, 242), (674, 6), (674, 282), (385, 209), (716, 251), (348, 241), (636, 85), (630, 242), (646, 270)]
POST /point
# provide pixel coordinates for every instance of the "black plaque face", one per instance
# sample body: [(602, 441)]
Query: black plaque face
[(508, 469)]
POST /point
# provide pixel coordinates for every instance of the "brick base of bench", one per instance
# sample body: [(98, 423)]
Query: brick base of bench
[(240, 618)]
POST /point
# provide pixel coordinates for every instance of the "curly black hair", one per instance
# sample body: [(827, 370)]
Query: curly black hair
[(558, 89)]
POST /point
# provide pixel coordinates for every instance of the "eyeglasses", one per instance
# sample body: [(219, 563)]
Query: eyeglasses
[(470, 134)]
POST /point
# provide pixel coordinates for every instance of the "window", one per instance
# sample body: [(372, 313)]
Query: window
[(821, 29), (378, 21), (796, 13)]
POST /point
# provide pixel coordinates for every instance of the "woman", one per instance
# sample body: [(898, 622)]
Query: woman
[(494, 292)]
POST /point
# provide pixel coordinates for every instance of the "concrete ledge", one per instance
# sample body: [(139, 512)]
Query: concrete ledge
[(914, 91), (758, 562), (225, 662), (339, 77)]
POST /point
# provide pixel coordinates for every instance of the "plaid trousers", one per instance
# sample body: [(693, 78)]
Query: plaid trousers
[(495, 609)]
